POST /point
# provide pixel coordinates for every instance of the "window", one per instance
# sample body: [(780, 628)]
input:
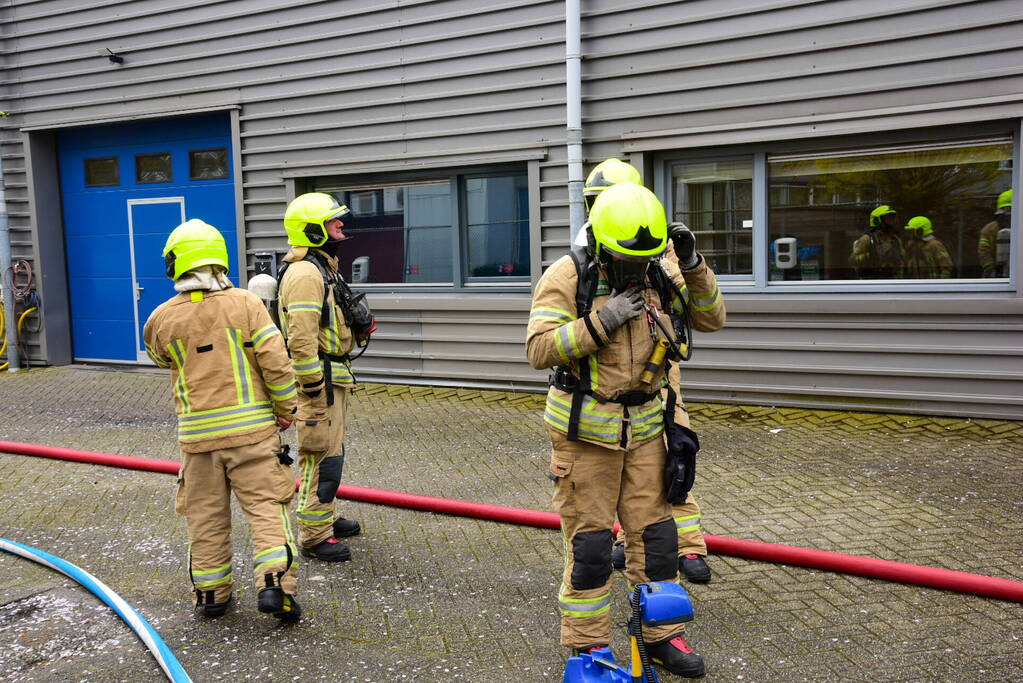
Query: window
[(921, 212), (153, 168), (102, 172), (715, 199), (470, 229), (207, 164)]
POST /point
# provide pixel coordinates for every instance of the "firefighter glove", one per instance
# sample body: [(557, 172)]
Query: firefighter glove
[(620, 308), (684, 241)]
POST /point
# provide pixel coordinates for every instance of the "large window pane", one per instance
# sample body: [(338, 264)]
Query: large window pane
[(820, 209), (715, 199), (399, 234), (497, 222)]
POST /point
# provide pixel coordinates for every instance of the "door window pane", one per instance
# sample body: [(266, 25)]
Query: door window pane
[(497, 224), (207, 164), (923, 212), (399, 234), (102, 172), (715, 199), (153, 168)]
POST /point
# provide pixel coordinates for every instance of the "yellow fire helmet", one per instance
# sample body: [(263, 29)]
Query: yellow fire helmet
[(921, 225), (193, 243), (605, 174), (306, 218), (628, 222), (1004, 202), (878, 214)]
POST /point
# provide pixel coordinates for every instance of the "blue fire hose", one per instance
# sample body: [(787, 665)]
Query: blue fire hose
[(164, 657)]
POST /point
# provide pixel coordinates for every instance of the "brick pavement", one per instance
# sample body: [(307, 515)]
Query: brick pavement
[(435, 598)]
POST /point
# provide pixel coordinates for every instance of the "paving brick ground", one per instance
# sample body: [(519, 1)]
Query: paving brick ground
[(435, 598)]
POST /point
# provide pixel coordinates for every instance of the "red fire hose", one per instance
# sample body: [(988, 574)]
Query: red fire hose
[(932, 577)]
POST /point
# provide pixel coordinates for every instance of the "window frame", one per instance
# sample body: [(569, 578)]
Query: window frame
[(759, 153), (85, 171), (461, 281), (170, 166), (227, 164)]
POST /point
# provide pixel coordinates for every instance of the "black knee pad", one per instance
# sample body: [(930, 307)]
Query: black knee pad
[(330, 478), (660, 546), (591, 557)]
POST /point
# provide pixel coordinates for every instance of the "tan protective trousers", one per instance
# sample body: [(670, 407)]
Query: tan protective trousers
[(592, 486), (687, 521), (320, 461), (263, 487)]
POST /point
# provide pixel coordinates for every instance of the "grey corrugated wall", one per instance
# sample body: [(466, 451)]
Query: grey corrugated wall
[(342, 88)]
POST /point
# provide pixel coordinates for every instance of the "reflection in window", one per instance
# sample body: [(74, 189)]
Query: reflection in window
[(399, 234), (411, 232), (207, 164), (497, 222), (102, 172), (153, 168), (922, 212), (715, 199)]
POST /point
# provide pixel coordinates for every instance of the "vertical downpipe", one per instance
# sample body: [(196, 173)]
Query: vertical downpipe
[(5, 263), (574, 119)]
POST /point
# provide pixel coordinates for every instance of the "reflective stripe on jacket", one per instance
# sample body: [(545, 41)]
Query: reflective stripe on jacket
[(229, 369), (556, 336), (301, 302)]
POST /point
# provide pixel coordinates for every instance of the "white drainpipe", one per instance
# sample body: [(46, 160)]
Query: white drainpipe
[(574, 119)]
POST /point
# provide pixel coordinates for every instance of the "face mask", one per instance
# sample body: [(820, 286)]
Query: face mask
[(622, 274)]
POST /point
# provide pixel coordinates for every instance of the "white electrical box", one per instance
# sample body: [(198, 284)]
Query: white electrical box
[(360, 269), (785, 252)]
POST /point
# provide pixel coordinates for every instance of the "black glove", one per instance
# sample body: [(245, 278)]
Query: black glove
[(620, 308), (684, 241)]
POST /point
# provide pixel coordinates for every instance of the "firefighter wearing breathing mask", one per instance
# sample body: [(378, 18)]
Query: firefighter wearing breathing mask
[(707, 305), (594, 323), (316, 315), (233, 390)]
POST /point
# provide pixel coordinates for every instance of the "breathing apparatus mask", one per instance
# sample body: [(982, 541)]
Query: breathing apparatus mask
[(623, 272)]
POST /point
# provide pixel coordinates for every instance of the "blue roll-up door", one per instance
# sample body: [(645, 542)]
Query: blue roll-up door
[(124, 188)]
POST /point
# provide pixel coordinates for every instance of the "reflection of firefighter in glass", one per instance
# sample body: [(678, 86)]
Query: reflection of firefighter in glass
[(993, 246), (877, 254), (926, 257)]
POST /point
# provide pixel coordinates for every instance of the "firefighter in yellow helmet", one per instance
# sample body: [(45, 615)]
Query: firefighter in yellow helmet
[(708, 308), (926, 257), (992, 263), (322, 324), (877, 253), (233, 391), (605, 418)]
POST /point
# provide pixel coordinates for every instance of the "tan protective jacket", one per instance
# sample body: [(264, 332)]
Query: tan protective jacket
[(556, 336), (987, 248), (301, 302), (927, 259), (228, 364)]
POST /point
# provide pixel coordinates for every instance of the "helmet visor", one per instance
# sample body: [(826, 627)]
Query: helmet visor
[(624, 271)]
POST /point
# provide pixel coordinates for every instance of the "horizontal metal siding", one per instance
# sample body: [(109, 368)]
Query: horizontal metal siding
[(354, 87)]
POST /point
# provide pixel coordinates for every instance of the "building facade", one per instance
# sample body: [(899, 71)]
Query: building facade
[(774, 129)]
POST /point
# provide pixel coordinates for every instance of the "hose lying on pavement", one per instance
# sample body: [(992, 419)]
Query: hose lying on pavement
[(902, 572), (164, 657)]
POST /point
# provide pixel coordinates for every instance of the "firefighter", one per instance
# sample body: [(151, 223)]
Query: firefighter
[(987, 246), (877, 253), (605, 424), (317, 328), (926, 257), (233, 390), (708, 313)]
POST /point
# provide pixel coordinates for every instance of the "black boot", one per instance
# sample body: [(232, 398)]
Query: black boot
[(694, 567), (278, 604), (618, 555), (209, 609), (343, 528), (676, 656), (331, 550)]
